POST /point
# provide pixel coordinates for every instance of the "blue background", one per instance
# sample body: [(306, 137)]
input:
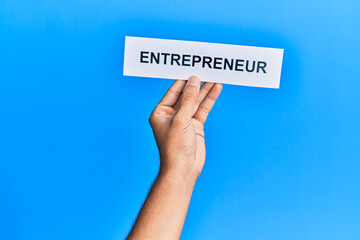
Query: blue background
[(77, 152)]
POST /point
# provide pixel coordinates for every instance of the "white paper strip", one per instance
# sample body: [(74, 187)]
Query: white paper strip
[(211, 62)]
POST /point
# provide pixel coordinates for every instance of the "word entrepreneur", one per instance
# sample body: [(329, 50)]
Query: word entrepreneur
[(203, 61)]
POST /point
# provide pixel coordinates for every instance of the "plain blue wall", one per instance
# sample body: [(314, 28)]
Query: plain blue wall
[(77, 153)]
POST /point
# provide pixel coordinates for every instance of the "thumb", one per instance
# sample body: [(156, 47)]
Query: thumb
[(188, 99)]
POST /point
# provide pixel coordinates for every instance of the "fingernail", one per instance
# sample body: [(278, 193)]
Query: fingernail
[(194, 80)]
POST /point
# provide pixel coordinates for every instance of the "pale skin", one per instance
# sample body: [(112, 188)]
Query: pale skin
[(178, 126)]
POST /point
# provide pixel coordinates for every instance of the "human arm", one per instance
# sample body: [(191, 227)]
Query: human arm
[(178, 127)]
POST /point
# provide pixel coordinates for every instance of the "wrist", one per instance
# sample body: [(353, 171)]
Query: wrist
[(181, 177)]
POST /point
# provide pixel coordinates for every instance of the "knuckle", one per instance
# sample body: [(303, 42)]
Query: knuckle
[(174, 93), (205, 109), (189, 95), (212, 98), (208, 87), (152, 117), (151, 120), (178, 120)]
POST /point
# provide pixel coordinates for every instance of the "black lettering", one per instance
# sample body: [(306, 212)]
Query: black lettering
[(217, 61), (142, 57), (195, 59), (206, 60), (229, 64), (186, 58), (165, 56), (247, 66), (238, 64), (175, 58), (153, 57), (262, 66)]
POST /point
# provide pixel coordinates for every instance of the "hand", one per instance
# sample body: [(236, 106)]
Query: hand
[(178, 125)]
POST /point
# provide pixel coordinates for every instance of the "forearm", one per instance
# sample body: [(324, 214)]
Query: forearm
[(178, 126), (164, 211)]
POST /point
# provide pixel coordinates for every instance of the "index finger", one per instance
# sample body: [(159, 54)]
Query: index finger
[(172, 95)]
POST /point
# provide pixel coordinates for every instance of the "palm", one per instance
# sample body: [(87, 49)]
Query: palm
[(183, 139), (200, 145), (193, 135)]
